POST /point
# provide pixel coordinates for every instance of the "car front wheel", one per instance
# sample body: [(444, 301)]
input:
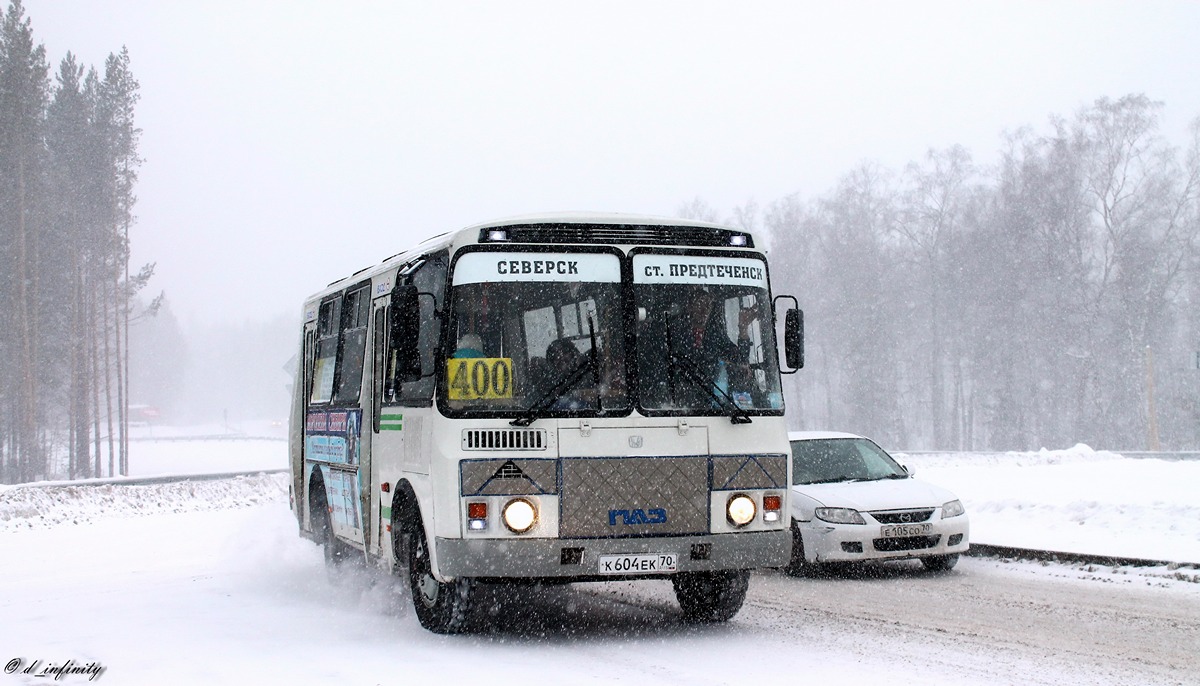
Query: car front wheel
[(940, 563), (797, 565)]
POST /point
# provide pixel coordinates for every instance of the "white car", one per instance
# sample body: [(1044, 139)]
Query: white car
[(851, 502)]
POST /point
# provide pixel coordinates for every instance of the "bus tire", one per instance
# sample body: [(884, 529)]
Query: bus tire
[(336, 552), (711, 596), (442, 607)]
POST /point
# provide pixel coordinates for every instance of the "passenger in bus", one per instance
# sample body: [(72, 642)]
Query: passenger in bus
[(470, 345), (706, 342), (562, 355), (539, 376), (564, 359)]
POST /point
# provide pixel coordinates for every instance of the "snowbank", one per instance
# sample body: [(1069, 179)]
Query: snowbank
[(40, 506), (1077, 500)]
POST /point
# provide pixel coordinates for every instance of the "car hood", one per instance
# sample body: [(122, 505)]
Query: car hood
[(865, 496)]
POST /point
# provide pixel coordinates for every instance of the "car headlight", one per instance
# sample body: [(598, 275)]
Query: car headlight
[(952, 509), (519, 515), (839, 515), (741, 509)]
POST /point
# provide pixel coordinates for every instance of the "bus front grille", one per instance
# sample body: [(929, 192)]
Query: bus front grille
[(504, 439), (634, 496)]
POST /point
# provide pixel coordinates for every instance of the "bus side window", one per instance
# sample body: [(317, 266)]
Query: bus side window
[(430, 280), (354, 345), (326, 352), (309, 357)]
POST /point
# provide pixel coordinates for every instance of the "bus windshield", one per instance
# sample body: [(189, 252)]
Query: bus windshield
[(536, 334), (705, 339)]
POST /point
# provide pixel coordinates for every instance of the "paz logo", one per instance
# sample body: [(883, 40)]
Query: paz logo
[(655, 515)]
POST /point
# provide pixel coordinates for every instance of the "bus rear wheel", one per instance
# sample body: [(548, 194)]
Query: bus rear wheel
[(442, 607), (336, 552), (711, 596)]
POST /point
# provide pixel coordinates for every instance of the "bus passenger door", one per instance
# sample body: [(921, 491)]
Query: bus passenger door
[(399, 404), (334, 438), (387, 423)]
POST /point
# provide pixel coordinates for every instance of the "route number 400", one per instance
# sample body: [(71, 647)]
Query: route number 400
[(479, 378)]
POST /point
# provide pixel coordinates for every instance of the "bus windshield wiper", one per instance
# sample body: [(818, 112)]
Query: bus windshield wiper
[(681, 361), (554, 393), (564, 384)]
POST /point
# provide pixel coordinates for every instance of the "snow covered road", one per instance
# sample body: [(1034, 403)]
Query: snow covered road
[(228, 593)]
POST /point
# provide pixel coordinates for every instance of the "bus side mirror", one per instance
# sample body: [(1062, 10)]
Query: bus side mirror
[(793, 339), (405, 332), (793, 334)]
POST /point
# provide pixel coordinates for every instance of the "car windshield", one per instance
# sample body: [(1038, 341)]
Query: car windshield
[(828, 460), (537, 334), (705, 338)]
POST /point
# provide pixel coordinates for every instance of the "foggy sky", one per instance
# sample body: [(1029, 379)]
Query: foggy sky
[(288, 144)]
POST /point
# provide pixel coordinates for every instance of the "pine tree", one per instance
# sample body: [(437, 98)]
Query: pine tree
[(23, 93), (68, 167), (118, 96), (70, 143)]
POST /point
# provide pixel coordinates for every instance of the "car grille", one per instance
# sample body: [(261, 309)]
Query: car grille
[(902, 516), (891, 545)]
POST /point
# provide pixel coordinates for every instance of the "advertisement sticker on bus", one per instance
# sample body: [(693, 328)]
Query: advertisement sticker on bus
[(344, 492), (333, 436)]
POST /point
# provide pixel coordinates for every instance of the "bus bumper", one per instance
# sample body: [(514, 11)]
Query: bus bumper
[(579, 559)]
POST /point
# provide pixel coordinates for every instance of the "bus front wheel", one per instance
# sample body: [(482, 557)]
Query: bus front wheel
[(442, 607), (711, 596)]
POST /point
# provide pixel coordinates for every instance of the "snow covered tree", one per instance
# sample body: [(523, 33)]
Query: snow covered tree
[(936, 209)]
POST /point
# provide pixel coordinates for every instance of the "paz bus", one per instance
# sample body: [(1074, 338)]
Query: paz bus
[(550, 399)]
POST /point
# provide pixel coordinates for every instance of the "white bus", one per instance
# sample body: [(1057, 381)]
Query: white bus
[(551, 399)]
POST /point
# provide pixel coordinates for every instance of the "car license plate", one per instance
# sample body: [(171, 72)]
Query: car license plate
[(643, 563), (903, 530)]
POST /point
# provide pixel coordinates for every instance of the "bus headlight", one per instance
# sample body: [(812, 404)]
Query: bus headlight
[(740, 509), (519, 515)]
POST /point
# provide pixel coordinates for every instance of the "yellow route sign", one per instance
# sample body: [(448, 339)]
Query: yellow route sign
[(479, 378)]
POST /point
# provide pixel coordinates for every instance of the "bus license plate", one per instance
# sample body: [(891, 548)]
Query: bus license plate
[(645, 563), (904, 530)]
